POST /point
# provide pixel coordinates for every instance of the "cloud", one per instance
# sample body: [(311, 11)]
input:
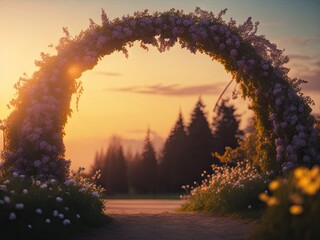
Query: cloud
[(302, 42), (174, 89), (299, 57), (317, 64), (109, 74)]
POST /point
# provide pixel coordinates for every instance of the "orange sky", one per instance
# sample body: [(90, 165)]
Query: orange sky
[(113, 102)]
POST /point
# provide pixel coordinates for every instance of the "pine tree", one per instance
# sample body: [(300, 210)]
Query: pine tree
[(226, 132), (172, 165), (113, 168), (199, 145), (147, 168)]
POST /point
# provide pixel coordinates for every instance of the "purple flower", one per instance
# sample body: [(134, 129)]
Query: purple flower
[(290, 149), (233, 53), (306, 158), (37, 163), (278, 141), (222, 46)]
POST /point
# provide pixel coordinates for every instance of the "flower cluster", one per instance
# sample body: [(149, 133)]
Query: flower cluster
[(35, 129), (293, 206), (28, 203), (228, 189)]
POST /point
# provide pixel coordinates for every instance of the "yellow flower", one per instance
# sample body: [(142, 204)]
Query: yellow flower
[(274, 185), (296, 209), (315, 172), (273, 201), (300, 172), (263, 197), (311, 189)]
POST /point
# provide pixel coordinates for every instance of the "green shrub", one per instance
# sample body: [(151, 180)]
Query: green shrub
[(293, 207), (228, 190), (33, 209)]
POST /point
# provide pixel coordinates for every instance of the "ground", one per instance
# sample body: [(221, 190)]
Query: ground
[(158, 220)]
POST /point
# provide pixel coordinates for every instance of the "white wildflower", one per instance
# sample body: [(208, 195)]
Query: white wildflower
[(66, 222), (19, 206), (12, 216)]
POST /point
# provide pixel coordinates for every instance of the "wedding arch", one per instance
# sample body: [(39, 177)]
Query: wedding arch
[(41, 107)]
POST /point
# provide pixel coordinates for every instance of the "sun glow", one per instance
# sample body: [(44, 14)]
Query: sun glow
[(74, 71)]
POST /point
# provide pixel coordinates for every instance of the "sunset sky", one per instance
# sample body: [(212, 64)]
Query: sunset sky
[(126, 96)]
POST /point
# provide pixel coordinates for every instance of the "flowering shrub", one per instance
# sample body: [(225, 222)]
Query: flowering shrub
[(293, 207), (33, 209), (227, 190), (35, 128)]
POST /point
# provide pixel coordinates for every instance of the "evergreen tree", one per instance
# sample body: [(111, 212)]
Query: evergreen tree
[(172, 166), (113, 168), (226, 132), (199, 145), (148, 167)]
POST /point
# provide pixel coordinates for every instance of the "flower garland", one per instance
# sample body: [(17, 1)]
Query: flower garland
[(35, 128)]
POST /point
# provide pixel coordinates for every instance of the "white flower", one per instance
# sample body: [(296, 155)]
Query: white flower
[(249, 207), (15, 174), (3, 187), (78, 216), (19, 206), (61, 216), (53, 181), (66, 208), (6, 182), (6, 199), (29, 226), (48, 221), (12, 216), (39, 211), (66, 222), (12, 191), (95, 194), (44, 186), (59, 199), (25, 191)]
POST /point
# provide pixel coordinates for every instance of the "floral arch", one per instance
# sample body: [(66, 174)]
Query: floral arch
[(35, 128)]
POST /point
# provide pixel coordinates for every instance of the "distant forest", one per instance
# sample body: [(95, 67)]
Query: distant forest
[(187, 153)]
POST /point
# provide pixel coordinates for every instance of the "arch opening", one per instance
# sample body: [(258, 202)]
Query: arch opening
[(41, 109)]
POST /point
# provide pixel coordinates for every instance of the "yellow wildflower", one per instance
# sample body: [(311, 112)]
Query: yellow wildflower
[(274, 185), (273, 201), (263, 197), (311, 189), (300, 172), (296, 209)]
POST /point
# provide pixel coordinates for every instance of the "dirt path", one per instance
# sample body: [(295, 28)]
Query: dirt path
[(156, 223)]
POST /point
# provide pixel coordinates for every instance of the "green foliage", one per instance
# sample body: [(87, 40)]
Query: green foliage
[(31, 209), (172, 174), (228, 190), (145, 169), (199, 145), (226, 132), (293, 207), (113, 168)]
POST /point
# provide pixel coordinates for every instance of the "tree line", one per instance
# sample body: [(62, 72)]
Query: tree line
[(186, 154)]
